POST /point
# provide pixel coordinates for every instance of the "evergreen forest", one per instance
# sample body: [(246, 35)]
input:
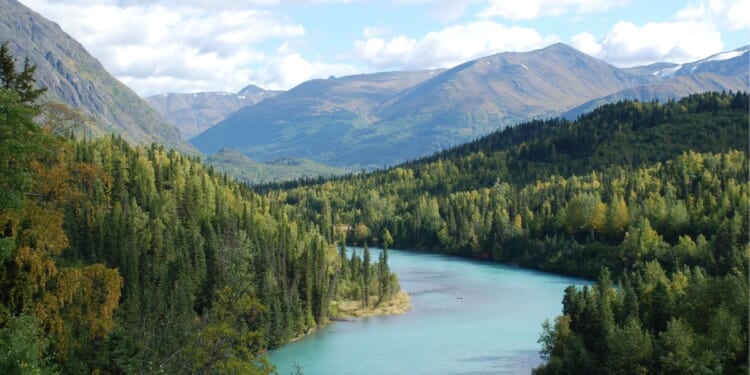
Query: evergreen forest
[(124, 259)]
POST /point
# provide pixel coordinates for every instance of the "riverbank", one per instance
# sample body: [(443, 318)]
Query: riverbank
[(349, 309), (466, 317)]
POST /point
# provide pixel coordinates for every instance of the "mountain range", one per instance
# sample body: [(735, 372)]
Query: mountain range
[(74, 77), (371, 120), (193, 113), (362, 121), (722, 71)]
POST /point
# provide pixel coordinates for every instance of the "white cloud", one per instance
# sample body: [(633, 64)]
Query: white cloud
[(628, 44), (281, 70), (162, 46), (288, 68), (449, 46), (533, 9), (692, 34), (586, 43), (729, 15)]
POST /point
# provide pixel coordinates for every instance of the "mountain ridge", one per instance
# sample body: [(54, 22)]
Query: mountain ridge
[(729, 74), (346, 122), (344, 109), (193, 113)]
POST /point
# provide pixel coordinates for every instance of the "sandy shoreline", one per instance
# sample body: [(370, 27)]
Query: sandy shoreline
[(398, 304), (349, 311)]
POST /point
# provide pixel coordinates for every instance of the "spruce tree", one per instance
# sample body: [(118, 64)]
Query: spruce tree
[(22, 82), (366, 277), (384, 274)]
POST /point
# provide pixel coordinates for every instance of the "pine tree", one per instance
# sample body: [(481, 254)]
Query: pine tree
[(366, 277), (22, 82), (384, 275)]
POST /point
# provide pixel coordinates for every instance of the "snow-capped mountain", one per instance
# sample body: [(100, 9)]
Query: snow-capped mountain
[(730, 62)]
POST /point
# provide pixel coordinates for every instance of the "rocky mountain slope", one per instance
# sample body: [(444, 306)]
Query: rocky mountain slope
[(727, 71), (196, 112), (369, 120), (74, 77), (316, 120)]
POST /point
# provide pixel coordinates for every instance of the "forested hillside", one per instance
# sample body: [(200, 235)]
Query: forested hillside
[(252, 172), (539, 181), (657, 194), (123, 259)]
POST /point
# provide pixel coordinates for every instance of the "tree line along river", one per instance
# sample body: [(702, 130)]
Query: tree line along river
[(467, 317)]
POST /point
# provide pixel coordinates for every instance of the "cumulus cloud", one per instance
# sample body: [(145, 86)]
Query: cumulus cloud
[(449, 46), (533, 9), (163, 46), (586, 43), (729, 15), (289, 68), (628, 44), (693, 33)]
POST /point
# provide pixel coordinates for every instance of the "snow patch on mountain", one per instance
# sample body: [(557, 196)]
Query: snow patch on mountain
[(728, 55), (667, 73)]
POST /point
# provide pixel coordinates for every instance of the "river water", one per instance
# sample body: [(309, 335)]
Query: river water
[(467, 317)]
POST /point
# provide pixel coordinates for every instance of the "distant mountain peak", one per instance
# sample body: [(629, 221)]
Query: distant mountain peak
[(367, 120), (251, 90), (562, 48), (724, 71), (232, 156), (195, 112)]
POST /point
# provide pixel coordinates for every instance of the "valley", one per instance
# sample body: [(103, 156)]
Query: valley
[(534, 209), (193, 114)]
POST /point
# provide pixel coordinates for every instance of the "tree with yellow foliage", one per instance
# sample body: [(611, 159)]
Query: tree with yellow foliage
[(64, 306)]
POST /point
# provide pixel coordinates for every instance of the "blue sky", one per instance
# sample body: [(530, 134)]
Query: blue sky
[(159, 46)]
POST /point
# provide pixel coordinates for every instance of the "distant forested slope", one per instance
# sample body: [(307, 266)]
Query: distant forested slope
[(251, 172), (530, 182)]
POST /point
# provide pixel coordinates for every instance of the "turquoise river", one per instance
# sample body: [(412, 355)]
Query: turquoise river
[(467, 317)]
